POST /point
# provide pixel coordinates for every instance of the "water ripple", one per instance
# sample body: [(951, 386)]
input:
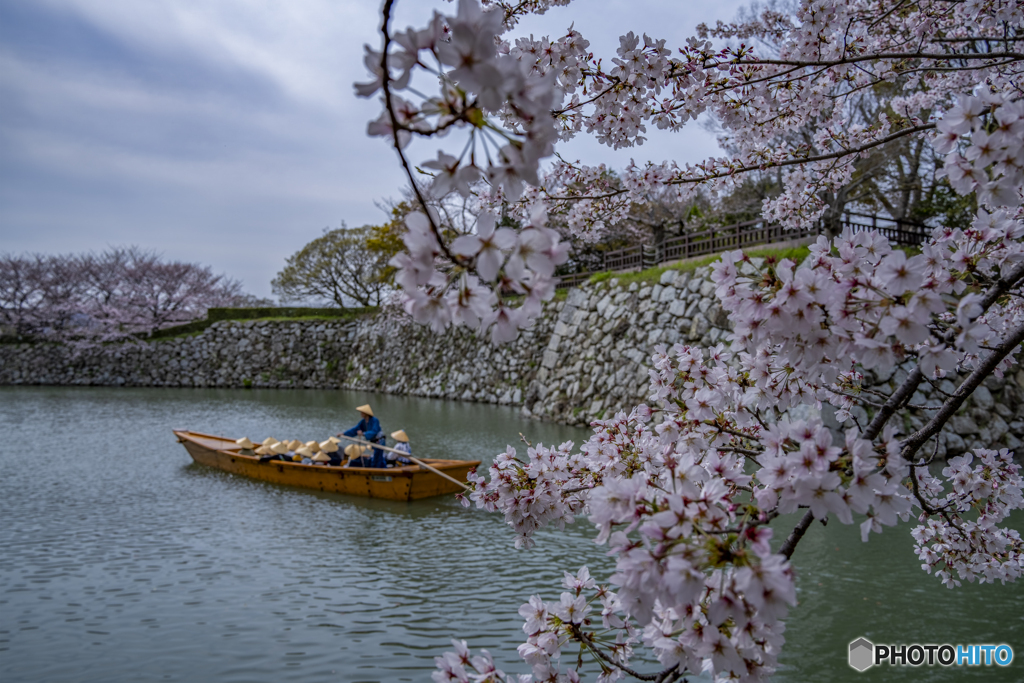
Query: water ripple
[(122, 560)]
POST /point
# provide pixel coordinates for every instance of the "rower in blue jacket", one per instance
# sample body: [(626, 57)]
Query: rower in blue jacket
[(369, 430)]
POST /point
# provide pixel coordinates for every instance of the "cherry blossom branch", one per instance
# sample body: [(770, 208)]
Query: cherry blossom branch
[(582, 637), (1013, 56), (796, 534), (995, 39), (777, 80), (878, 404), (396, 127), (916, 488), (767, 165), (954, 69), (885, 15), (1003, 286), (967, 387), (962, 393), (905, 391), (936, 387)]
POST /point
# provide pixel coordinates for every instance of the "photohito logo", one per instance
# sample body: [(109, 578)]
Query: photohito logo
[(864, 654)]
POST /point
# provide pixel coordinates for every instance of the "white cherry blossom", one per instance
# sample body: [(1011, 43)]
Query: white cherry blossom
[(683, 492)]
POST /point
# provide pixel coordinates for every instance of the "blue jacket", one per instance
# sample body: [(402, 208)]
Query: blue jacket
[(369, 426)]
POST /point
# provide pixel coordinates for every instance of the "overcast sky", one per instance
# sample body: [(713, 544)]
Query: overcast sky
[(226, 132)]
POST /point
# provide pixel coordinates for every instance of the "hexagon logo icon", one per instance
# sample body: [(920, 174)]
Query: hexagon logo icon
[(862, 654)]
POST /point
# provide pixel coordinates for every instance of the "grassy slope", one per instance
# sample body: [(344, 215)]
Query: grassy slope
[(653, 275)]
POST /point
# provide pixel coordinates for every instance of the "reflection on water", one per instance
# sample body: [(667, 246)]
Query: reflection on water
[(122, 560)]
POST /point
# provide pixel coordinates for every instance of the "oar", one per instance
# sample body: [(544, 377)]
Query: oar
[(415, 460)]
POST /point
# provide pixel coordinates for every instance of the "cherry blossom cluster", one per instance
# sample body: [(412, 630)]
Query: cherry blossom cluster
[(461, 666), (507, 109), (530, 494), (475, 81), (992, 165), (972, 549), (550, 626), (517, 9), (694, 568), (487, 271), (794, 106), (858, 301), (686, 522), (801, 335), (855, 303), (587, 218), (791, 108)]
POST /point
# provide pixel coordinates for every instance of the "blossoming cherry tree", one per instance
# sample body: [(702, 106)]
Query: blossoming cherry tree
[(683, 491)]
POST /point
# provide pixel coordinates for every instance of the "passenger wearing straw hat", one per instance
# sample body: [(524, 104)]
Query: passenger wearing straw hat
[(356, 456), (403, 445), (369, 429), (329, 449)]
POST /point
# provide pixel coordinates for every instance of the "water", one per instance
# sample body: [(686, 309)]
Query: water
[(121, 560)]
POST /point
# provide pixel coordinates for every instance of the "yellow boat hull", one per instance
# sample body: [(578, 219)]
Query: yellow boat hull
[(397, 483)]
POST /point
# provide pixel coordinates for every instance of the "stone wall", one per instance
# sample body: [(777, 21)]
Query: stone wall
[(586, 357), (226, 354), (597, 359)]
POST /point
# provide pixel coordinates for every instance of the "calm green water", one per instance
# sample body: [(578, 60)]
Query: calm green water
[(121, 560)]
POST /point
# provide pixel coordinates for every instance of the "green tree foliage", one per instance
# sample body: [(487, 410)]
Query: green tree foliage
[(339, 266), (385, 239)]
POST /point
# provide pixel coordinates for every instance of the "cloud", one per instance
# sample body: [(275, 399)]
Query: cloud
[(224, 131), (299, 46)]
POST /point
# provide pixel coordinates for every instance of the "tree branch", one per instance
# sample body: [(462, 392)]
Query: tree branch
[(771, 164), (582, 637), (901, 395), (794, 536), (1015, 56), (952, 404), (914, 442), (396, 126)]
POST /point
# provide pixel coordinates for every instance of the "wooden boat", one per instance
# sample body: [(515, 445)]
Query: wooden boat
[(394, 483)]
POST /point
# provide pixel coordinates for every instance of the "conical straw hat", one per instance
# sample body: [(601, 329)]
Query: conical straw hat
[(353, 450), (294, 445), (400, 435), (313, 446), (328, 447), (264, 450), (245, 443), (321, 457), (366, 409), (304, 452), (280, 448), (334, 439), (269, 441)]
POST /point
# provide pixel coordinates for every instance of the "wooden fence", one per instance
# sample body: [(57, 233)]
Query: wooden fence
[(903, 233), (738, 236)]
